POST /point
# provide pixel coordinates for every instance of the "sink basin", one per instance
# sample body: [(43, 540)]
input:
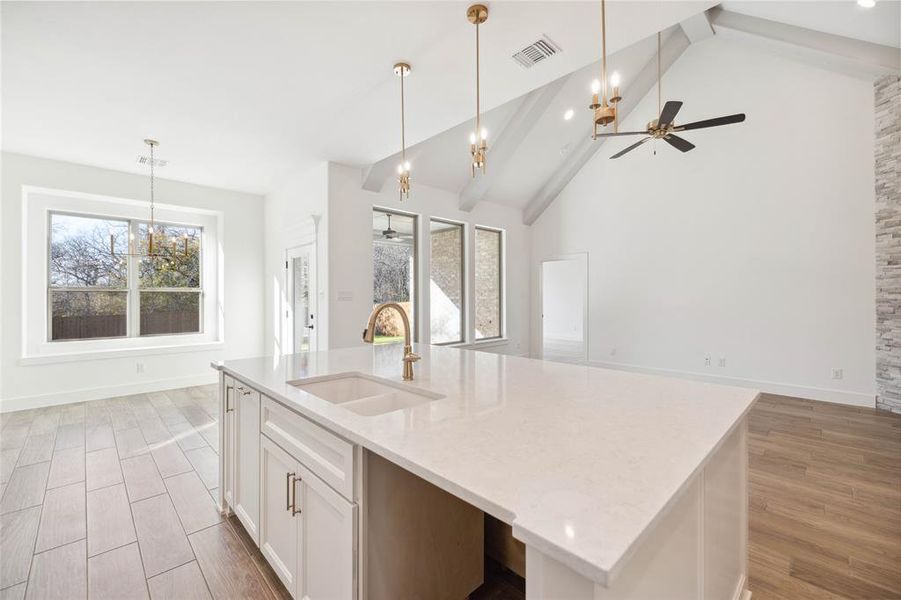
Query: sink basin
[(363, 394)]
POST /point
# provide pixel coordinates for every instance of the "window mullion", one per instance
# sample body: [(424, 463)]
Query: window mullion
[(134, 297)]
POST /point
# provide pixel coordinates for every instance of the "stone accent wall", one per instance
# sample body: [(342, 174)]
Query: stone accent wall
[(888, 243)]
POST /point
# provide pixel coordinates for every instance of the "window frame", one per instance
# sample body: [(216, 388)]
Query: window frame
[(132, 288), (134, 229), (502, 284), (417, 292), (464, 287)]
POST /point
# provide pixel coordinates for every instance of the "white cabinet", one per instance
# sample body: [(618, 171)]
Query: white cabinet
[(291, 483), (278, 526), (307, 530), (327, 540), (246, 489), (227, 442)]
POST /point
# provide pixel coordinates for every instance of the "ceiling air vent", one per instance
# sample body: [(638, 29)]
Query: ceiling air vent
[(536, 52), (145, 160)]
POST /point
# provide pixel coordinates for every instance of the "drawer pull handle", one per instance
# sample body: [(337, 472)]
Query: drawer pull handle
[(228, 406), (288, 487), (295, 510)]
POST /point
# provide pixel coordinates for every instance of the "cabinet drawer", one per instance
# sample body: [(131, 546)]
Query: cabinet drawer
[(325, 454)]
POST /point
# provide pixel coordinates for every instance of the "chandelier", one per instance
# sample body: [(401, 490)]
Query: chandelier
[(604, 107), (402, 70), (478, 140), (160, 249)]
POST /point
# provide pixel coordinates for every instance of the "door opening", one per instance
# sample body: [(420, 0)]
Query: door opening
[(564, 309)]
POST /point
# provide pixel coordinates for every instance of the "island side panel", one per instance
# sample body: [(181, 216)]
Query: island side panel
[(697, 551)]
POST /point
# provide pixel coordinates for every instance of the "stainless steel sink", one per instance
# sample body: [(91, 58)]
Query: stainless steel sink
[(364, 394)]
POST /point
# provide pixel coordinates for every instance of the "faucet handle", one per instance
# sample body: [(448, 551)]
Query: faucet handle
[(411, 358)]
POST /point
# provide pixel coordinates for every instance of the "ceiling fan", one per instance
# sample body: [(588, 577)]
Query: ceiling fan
[(664, 127), (393, 234)]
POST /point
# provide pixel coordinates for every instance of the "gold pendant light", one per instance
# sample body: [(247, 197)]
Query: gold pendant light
[(153, 249), (403, 169), (604, 108), (478, 140)]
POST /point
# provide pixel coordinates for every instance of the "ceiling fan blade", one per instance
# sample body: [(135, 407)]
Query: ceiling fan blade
[(669, 112), (618, 133), (630, 148), (678, 143), (727, 120)]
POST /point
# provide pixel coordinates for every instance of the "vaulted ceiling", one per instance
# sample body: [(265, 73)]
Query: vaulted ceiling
[(243, 93), (239, 93)]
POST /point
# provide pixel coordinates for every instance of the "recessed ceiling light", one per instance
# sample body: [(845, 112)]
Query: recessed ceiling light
[(568, 114), (866, 3)]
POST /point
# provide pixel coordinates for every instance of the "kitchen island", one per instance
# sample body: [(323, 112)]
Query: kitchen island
[(620, 485)]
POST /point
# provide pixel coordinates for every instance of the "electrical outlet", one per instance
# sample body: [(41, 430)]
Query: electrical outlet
[(139, 367), (722, 362), (706, 361), (838, 373)]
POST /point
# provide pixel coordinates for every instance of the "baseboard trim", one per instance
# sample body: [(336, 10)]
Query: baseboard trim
[(772, 387), (98, 393)]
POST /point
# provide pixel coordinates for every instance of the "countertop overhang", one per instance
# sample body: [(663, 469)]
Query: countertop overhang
[(581, 461)]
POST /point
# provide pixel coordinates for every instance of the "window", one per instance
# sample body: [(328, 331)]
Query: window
[(446, 282), (489, 283), (169, 285), (97, 291), (88, 285), (394, 271)]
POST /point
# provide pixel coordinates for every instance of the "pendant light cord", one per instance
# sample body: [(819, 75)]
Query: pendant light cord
[(478, 116), (403, 134), (658, 75), (604, 48), (151, 187)]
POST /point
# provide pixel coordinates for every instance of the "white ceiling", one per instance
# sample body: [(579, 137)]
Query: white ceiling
[(880, 24), (443, 161), (241, 93)]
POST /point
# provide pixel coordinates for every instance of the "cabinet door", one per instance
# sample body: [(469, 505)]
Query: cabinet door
[(247, 459), (327, 541), (278, 525), (227, 443)]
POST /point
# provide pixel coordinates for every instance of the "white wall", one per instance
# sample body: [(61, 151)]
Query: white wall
[(350, 254), (296, 213), (25, 386), (757, 246)]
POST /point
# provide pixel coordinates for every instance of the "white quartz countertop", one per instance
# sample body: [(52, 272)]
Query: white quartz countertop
[(580, 460)]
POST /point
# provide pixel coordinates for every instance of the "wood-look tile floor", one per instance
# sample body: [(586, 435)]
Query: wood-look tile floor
[(825, 501), (114, 499)]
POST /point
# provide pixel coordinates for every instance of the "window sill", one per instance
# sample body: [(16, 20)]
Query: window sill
[(478, 344), (47, 359)]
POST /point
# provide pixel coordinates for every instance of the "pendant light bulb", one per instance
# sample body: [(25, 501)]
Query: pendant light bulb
[(407, 166), (484, 134), (596, 86), (400, 169), (472, 139), (614, 79)]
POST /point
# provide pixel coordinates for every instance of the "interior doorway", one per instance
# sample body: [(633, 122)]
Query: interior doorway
[(564, 309), (301, 285)]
